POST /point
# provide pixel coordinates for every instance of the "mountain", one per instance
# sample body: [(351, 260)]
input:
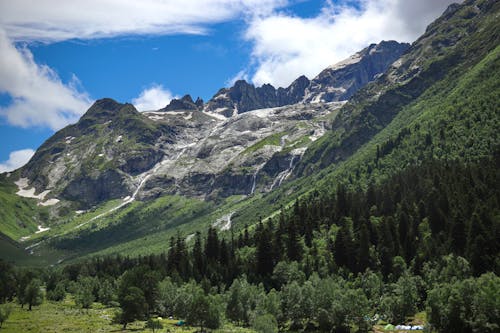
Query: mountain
[(436, 65), (340, 81), (185, 103), (336, 83), (189, 148), (120, 181)]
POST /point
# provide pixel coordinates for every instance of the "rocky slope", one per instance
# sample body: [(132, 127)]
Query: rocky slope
[(340, 81), (336, 83), (116, 152), (243, 140)]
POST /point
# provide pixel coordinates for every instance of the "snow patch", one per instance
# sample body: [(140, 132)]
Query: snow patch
[(221, 96), (41, 229), (155, 118), (318, 98), (261, 113), (50, 202), (215, 115), (28, 192), (189, 116)]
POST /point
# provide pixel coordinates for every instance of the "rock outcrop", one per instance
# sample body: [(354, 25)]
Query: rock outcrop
[(336, 83)]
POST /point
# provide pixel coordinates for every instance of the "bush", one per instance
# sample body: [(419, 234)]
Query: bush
[(5, 311), (265, 324)]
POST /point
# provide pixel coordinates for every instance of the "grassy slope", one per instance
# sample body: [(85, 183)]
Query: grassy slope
[(19, 216)]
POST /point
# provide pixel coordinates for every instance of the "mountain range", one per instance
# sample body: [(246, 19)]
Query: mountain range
[(123, 181)]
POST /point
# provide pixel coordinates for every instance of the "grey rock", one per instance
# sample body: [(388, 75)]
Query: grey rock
[(185, 103)]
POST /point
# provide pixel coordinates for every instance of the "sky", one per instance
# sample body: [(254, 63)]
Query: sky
[(58, 57)]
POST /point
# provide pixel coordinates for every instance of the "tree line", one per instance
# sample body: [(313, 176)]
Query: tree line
[(424, 239)]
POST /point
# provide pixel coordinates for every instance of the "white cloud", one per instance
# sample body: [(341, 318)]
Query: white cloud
[(16, 160), (55, 20), (39, 98), (241, 75), (285, 47), (153, 98)]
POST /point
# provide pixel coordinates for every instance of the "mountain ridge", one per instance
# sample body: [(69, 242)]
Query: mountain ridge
[(336, 83)]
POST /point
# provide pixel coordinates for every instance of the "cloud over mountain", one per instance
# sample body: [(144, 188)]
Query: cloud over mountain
[(286, 46)]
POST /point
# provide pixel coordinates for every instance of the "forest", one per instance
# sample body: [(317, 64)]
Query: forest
[(423, 241)]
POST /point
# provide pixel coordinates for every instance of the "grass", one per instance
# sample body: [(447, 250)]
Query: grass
[(19, 216), (271, 140), (65, 316)]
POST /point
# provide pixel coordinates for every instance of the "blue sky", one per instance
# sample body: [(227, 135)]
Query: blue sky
[(56, 58)]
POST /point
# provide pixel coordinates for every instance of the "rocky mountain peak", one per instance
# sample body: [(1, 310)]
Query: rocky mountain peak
[(336, 83), (105, 110), (185, 103), (341, 80)]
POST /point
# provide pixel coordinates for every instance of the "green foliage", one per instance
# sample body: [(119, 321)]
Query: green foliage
[(33, 295), (167, 297), (204, 311), (133, 305), (271, 140), (20, 216), (265, 323), (84, 289), (154, 324), (58, 293), (401, 300), (7, 281), (469, 305), (146, 280), (5, 310), (107, 292), (242, 300)]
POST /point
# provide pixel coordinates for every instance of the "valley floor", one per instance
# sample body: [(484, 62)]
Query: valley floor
[(65, 316), (56, 317)]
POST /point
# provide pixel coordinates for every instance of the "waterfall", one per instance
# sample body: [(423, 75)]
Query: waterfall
[(285, 173), (254, 184)]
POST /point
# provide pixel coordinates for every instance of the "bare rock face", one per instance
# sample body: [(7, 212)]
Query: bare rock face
[(336, 83), (340, 81), (94, 189), (185, 103)]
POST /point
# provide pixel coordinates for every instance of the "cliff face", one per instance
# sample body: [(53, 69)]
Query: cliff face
[(340, 81), (336, 83)]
